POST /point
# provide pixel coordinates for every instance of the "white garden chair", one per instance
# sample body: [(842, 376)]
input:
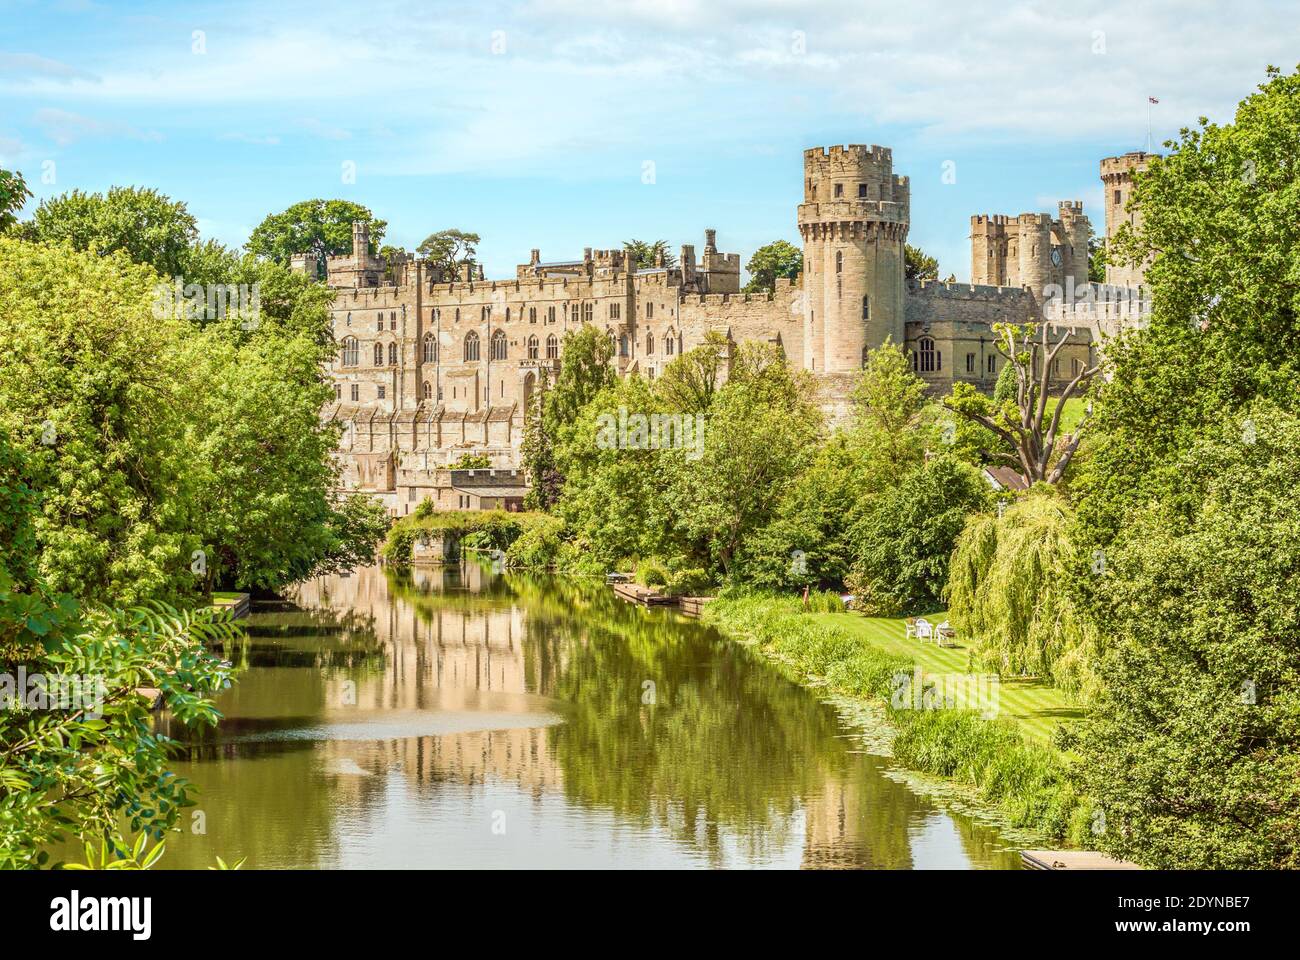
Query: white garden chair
[(924, 631)]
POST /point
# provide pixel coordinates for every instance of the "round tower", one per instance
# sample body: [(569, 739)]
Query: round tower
[(1034, 251), (1117, 175), (1077, 231), (853, 221)]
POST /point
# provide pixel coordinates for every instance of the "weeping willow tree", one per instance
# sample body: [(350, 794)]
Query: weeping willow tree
[(1009, 593)]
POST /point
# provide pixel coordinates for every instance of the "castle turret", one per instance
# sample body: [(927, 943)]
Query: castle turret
[(360, 241), (1117, 175), (1035, 251), (1075, 232), (854, 222)]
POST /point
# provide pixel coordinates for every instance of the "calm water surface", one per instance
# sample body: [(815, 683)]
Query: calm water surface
[(460, 719)]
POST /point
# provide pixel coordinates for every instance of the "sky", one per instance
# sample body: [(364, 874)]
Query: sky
[(564, 124)]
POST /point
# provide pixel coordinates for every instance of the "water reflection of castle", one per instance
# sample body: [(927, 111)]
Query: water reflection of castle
[(471, 649)]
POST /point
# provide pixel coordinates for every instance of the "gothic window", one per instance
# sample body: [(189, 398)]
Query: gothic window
[(669, 343), (649, 311), (485, 314), (649, 342), (532, 348), (970, 363), (380, 327), (392, 320), (498, 346), (839, 261), (427, 390), (349, 351), (550, 314), (471, 347), (392, 354), (929, 358), (379, 354), (993, 364), (532, 314), (866, 308), (552, 348), (622, 345), (430, 348)]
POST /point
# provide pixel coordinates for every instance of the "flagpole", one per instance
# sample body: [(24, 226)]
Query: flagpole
[(1148, 124)]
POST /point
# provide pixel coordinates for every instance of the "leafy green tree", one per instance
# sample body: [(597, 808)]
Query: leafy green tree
[(689, 383), (1221, 231), (906, 538), (1192, 751), (90, 384), (13, 194), (585, 371), (77, 760), (645, 254), (1096, 259), (1011, 594), (147, 226), (447, 250), (890, 403), (319, 227), (776, 259), (918, 265)]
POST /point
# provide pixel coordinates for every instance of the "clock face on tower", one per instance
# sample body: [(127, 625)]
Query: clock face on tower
[(1056, 256)]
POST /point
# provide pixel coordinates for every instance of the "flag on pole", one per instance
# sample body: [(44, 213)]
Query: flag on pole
[(1152, 100)]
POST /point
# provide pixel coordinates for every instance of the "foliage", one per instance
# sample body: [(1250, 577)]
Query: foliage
[(918, 265), (447, 250), (1010, 592), (13, 194), (906, 538), (648, 254), (779, 259), (1221, 226), (690, 381), (473, 461), (322, 228), (491, 530), (1193, 748), (145, 225)]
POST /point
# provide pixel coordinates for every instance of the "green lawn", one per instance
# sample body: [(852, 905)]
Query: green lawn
[(1035, 706)]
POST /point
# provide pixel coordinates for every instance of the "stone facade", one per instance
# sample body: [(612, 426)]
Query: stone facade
[(1117, 176), (432, 366)]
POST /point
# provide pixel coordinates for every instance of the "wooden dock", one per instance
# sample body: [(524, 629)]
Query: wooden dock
[(239, 605), (646, 596), (1072, 860)]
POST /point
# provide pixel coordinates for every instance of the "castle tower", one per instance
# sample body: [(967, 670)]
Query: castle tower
[(988, 249), (854, 222), (1035, 269), (360, 241), (1117, 175), (1076, 231)]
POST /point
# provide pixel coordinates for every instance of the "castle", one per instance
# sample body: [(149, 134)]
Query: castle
[(433, 365)]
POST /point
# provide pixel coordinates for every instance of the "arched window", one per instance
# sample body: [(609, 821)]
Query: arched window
[(532, 348), (427, 390), (670, 343), (839, 261), (485, 314), (866, 308), (552, 348), (349, 351), (471, 347), (622, 345), (649, 342), (392, 354), (930, 359), (379, 354), (498, 346), (430, 348)]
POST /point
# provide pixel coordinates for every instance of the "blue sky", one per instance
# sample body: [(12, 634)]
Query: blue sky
[(532, 123)]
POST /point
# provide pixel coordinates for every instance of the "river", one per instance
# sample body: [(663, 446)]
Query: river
[(458, 718)]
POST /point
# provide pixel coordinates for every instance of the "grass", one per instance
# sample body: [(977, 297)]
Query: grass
[(1036, 707), (226, 594)]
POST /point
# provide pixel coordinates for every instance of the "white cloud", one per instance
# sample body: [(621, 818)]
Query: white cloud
[(64, 127)]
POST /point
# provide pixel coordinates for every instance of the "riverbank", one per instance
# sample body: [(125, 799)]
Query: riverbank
[(998, 743)]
